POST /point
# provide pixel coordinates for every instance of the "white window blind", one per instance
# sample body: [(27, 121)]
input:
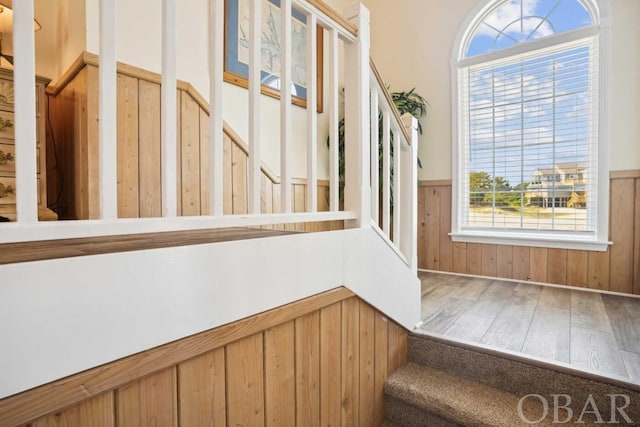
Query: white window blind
[(528, 125)]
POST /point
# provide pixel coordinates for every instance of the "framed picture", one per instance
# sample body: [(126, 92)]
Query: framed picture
[(236, 50)]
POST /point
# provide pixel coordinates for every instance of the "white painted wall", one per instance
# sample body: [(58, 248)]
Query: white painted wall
[(411, 43), (110, 306)]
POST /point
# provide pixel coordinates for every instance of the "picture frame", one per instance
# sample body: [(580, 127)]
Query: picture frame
[(236, 49)]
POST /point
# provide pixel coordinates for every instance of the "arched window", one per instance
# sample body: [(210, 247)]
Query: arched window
[(530, 161)]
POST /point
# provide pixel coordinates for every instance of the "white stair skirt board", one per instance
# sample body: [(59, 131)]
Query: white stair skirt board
[(63, 316)]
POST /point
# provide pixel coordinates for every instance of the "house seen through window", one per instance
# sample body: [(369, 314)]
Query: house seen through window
[(528, 122)]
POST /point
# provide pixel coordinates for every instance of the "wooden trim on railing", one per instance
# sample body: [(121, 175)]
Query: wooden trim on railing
[(29, 405), (389, 99), (625, 174), (333, 14), (435, 183)]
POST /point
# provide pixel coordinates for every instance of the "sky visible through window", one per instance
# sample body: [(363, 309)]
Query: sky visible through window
[(530, 112), (519, 21)]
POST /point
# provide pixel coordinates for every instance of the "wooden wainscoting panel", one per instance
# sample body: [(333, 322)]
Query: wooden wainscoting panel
[(128, 148), (330, 358), (504, 261), (245, 381), (459, 257), (381, 362), (433, 228), (617, 269), (308, 369), (239, 174), (190, 155), (150, 184), (489, 260), (446, 245), (279, 375), (202, 385), (205, 167), (319, 361), (227, 167), (151, 400), (557, 266), (622, 208), (598, 270), (95, 412), (577, 262), (474, 258), (538, 264), (521, 262), (366, 405), (350, 361)]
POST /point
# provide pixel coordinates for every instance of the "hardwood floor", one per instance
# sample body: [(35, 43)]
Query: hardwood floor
[(598, 333)]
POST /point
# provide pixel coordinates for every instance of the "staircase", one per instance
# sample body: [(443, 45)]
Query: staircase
[(449, 384)]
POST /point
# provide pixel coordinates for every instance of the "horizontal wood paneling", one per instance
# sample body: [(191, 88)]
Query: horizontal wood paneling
[(315, 361), (617, 269)]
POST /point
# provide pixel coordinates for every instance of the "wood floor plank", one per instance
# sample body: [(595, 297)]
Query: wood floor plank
[(454, 308), (509, 329), (549, 334), (624, 316), (632, 363), (472, 289), (587, 311), (555, 298), (596, 351), (492, 299), (470, 327)]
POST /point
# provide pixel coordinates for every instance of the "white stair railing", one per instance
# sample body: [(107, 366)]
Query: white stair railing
[(352, 31), (394, 178)]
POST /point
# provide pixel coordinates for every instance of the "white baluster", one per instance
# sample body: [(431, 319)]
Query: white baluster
[(409, 193), (285, 105), (216, 64), (397, 184), (312, 116), (25, 113), (107, 122), (334, 153), (255, 44), (357, 130), (386, 171), (169, 146), (375, 161)]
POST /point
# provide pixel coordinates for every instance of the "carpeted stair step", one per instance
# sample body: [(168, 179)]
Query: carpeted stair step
[(419, 396)]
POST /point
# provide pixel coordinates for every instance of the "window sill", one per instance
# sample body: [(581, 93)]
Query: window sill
[(542, 240)]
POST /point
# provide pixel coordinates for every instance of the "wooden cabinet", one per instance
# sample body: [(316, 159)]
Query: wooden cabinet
[(7, 147)]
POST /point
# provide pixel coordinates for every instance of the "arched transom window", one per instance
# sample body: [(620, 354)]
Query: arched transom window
[(529, 157)]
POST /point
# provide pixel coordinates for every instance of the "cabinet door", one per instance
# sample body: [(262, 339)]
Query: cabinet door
[(7, 190), (7, 125), (7, 158)]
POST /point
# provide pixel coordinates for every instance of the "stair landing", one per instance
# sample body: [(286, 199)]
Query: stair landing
[(583, 331)]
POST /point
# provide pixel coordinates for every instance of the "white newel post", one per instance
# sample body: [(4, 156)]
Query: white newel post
[(409, 193), (25, 113), (357, 192)]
